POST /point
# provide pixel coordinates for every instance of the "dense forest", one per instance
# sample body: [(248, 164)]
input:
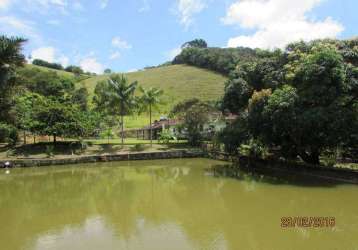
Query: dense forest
[(300, 101)]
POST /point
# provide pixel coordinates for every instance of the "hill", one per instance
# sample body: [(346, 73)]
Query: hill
[(179, 82), (60, 72)]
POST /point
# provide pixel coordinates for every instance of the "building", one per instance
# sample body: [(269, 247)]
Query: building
[(157, 127), (217, 122)]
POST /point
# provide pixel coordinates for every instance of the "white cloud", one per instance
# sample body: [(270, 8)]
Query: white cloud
[(132, 70), (91, 64), (4, 4), (103, 4), (64, 60), (43, 6), (50, 54), (13, 26), (115, 55), (77, 6), (117, 42), (54, 22), (145, 7), (277, 22), (170, 55), (45, 53), (46, 5), (186, 9)]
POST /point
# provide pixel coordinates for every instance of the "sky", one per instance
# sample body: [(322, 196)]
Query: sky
[(128, 35)]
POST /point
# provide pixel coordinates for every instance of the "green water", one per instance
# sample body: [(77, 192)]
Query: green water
[(167, 204)]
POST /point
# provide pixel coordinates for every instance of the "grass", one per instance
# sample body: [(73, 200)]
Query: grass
[(127, 141), (94, 147), (179, 82), (62, 73)]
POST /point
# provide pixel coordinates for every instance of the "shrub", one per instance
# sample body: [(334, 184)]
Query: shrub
[(165, 137), (50, 151), (254, 149), (138, 147), (8, 134)]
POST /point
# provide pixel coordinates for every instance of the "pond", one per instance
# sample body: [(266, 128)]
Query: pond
[(168, 204)]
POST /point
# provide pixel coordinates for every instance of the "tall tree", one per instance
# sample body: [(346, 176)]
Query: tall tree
[(194, 114), (116, 96), (150, 100), (10, 59)]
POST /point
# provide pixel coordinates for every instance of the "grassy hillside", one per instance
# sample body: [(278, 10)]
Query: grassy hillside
[(179, 82), (60, 72)]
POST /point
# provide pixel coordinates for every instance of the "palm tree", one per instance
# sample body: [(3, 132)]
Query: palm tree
[(150, 99), (121, 94)]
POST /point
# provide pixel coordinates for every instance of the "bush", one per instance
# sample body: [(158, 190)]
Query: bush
[(46, 64), (138, 147), (234, 135), (8, 134), (165, 137), (50, 149), (254, 149)]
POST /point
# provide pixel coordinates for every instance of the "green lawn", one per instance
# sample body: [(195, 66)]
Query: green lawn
[(128, 141), (95, 147)]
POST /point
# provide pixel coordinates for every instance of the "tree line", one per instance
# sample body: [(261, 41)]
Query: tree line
[(222, 60), (298, 102), (77, 70), (53, 104)]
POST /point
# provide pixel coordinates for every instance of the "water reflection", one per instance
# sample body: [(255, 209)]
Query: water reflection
[(174, 204), (272, 177)]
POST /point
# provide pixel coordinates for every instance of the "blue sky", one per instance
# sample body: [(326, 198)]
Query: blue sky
[(126, 35)]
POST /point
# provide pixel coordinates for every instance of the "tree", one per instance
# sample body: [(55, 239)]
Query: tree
[(10, 59), (303, 102), (108, 71), (197, 43), (194, 114), (24, 111), (58, 119), (235, 134), (49, 104), (80, 97), (46, 83), (217, 59), (237, 95), (116, 96), (46, 64), (194, 119), (149, 100), (8, 133), (74, 69)]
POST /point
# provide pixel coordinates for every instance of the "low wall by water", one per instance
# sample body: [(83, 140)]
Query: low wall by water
[(258, 165), (105, 158)]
